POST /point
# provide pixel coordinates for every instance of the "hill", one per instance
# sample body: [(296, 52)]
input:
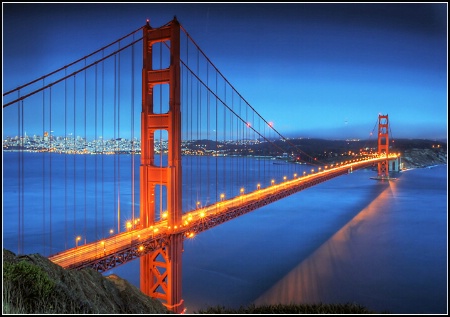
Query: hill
[(32, 284), (414, 152), (416, 158)]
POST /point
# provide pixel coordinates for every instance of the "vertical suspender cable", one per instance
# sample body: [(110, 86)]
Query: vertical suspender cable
[(243, 176), (189, 124), (65, 161), (263, 177), (256, 142), (217, 180), (237, 146), (96, 151), (19, 211), (232, 139), (239, 149), (50, 158), (185, 125), (198, 114), (118, 134), (246, 142), (103, 144), (115, 153), (259, 146), (224, 138), (74, 157), (207, 127), (23, 186), (20, 179), (271, 172), (187, 114), (160, 140), (43, 169), (269, 167), (85, 152), (201, 132), (132, 134), (199, 184), (22, 183), (22, 160)]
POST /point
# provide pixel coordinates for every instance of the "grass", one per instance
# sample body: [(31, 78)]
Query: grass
[(290, 309), (27, 289)]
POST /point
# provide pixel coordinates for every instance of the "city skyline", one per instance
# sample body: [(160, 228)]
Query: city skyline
[(314, 70)]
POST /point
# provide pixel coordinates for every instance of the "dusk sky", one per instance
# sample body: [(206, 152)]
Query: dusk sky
[(314, 70)]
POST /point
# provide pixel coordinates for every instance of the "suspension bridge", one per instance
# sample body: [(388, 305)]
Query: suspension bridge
[(77, 134)]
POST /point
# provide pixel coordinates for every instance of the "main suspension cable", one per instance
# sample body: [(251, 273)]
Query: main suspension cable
[(73, 63), (248, 104)]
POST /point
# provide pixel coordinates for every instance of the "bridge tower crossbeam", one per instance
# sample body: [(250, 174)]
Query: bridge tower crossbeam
[(160, 275)]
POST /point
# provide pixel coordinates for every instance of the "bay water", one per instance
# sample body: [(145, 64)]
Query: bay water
[(352, 239)]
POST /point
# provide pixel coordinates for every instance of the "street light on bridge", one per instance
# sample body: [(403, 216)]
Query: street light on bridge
[(272, 182), (76, 241)]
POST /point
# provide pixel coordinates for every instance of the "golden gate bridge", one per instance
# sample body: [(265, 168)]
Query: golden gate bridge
[(190, 118)]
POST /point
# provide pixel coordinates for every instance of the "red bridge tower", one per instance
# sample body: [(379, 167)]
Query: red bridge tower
[(161, 269), (383, 146)]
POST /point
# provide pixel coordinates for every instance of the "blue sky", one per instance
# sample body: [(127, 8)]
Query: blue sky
[(314, 70)]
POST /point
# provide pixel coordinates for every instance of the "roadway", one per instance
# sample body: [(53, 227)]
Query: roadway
[(126, 246)]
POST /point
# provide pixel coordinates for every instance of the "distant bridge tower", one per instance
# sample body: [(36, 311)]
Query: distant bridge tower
[(160, 275), (383, 146)]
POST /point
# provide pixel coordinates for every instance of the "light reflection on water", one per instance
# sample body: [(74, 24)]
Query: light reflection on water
[(323, 275), (389, 257)]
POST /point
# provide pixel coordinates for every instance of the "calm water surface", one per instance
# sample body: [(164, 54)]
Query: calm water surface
[(382, 245)]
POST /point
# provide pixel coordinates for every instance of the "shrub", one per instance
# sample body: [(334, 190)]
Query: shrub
[(28, 284), (320, 308)]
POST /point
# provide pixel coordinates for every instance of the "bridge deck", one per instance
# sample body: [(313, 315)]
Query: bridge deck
[(120, 248)]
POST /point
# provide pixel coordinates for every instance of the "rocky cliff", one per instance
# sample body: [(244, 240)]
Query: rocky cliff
[(416, 157), (34, 284)]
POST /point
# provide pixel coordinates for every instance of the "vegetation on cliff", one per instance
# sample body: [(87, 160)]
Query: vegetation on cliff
[(416, 158), (291, 309), (32, 284)]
